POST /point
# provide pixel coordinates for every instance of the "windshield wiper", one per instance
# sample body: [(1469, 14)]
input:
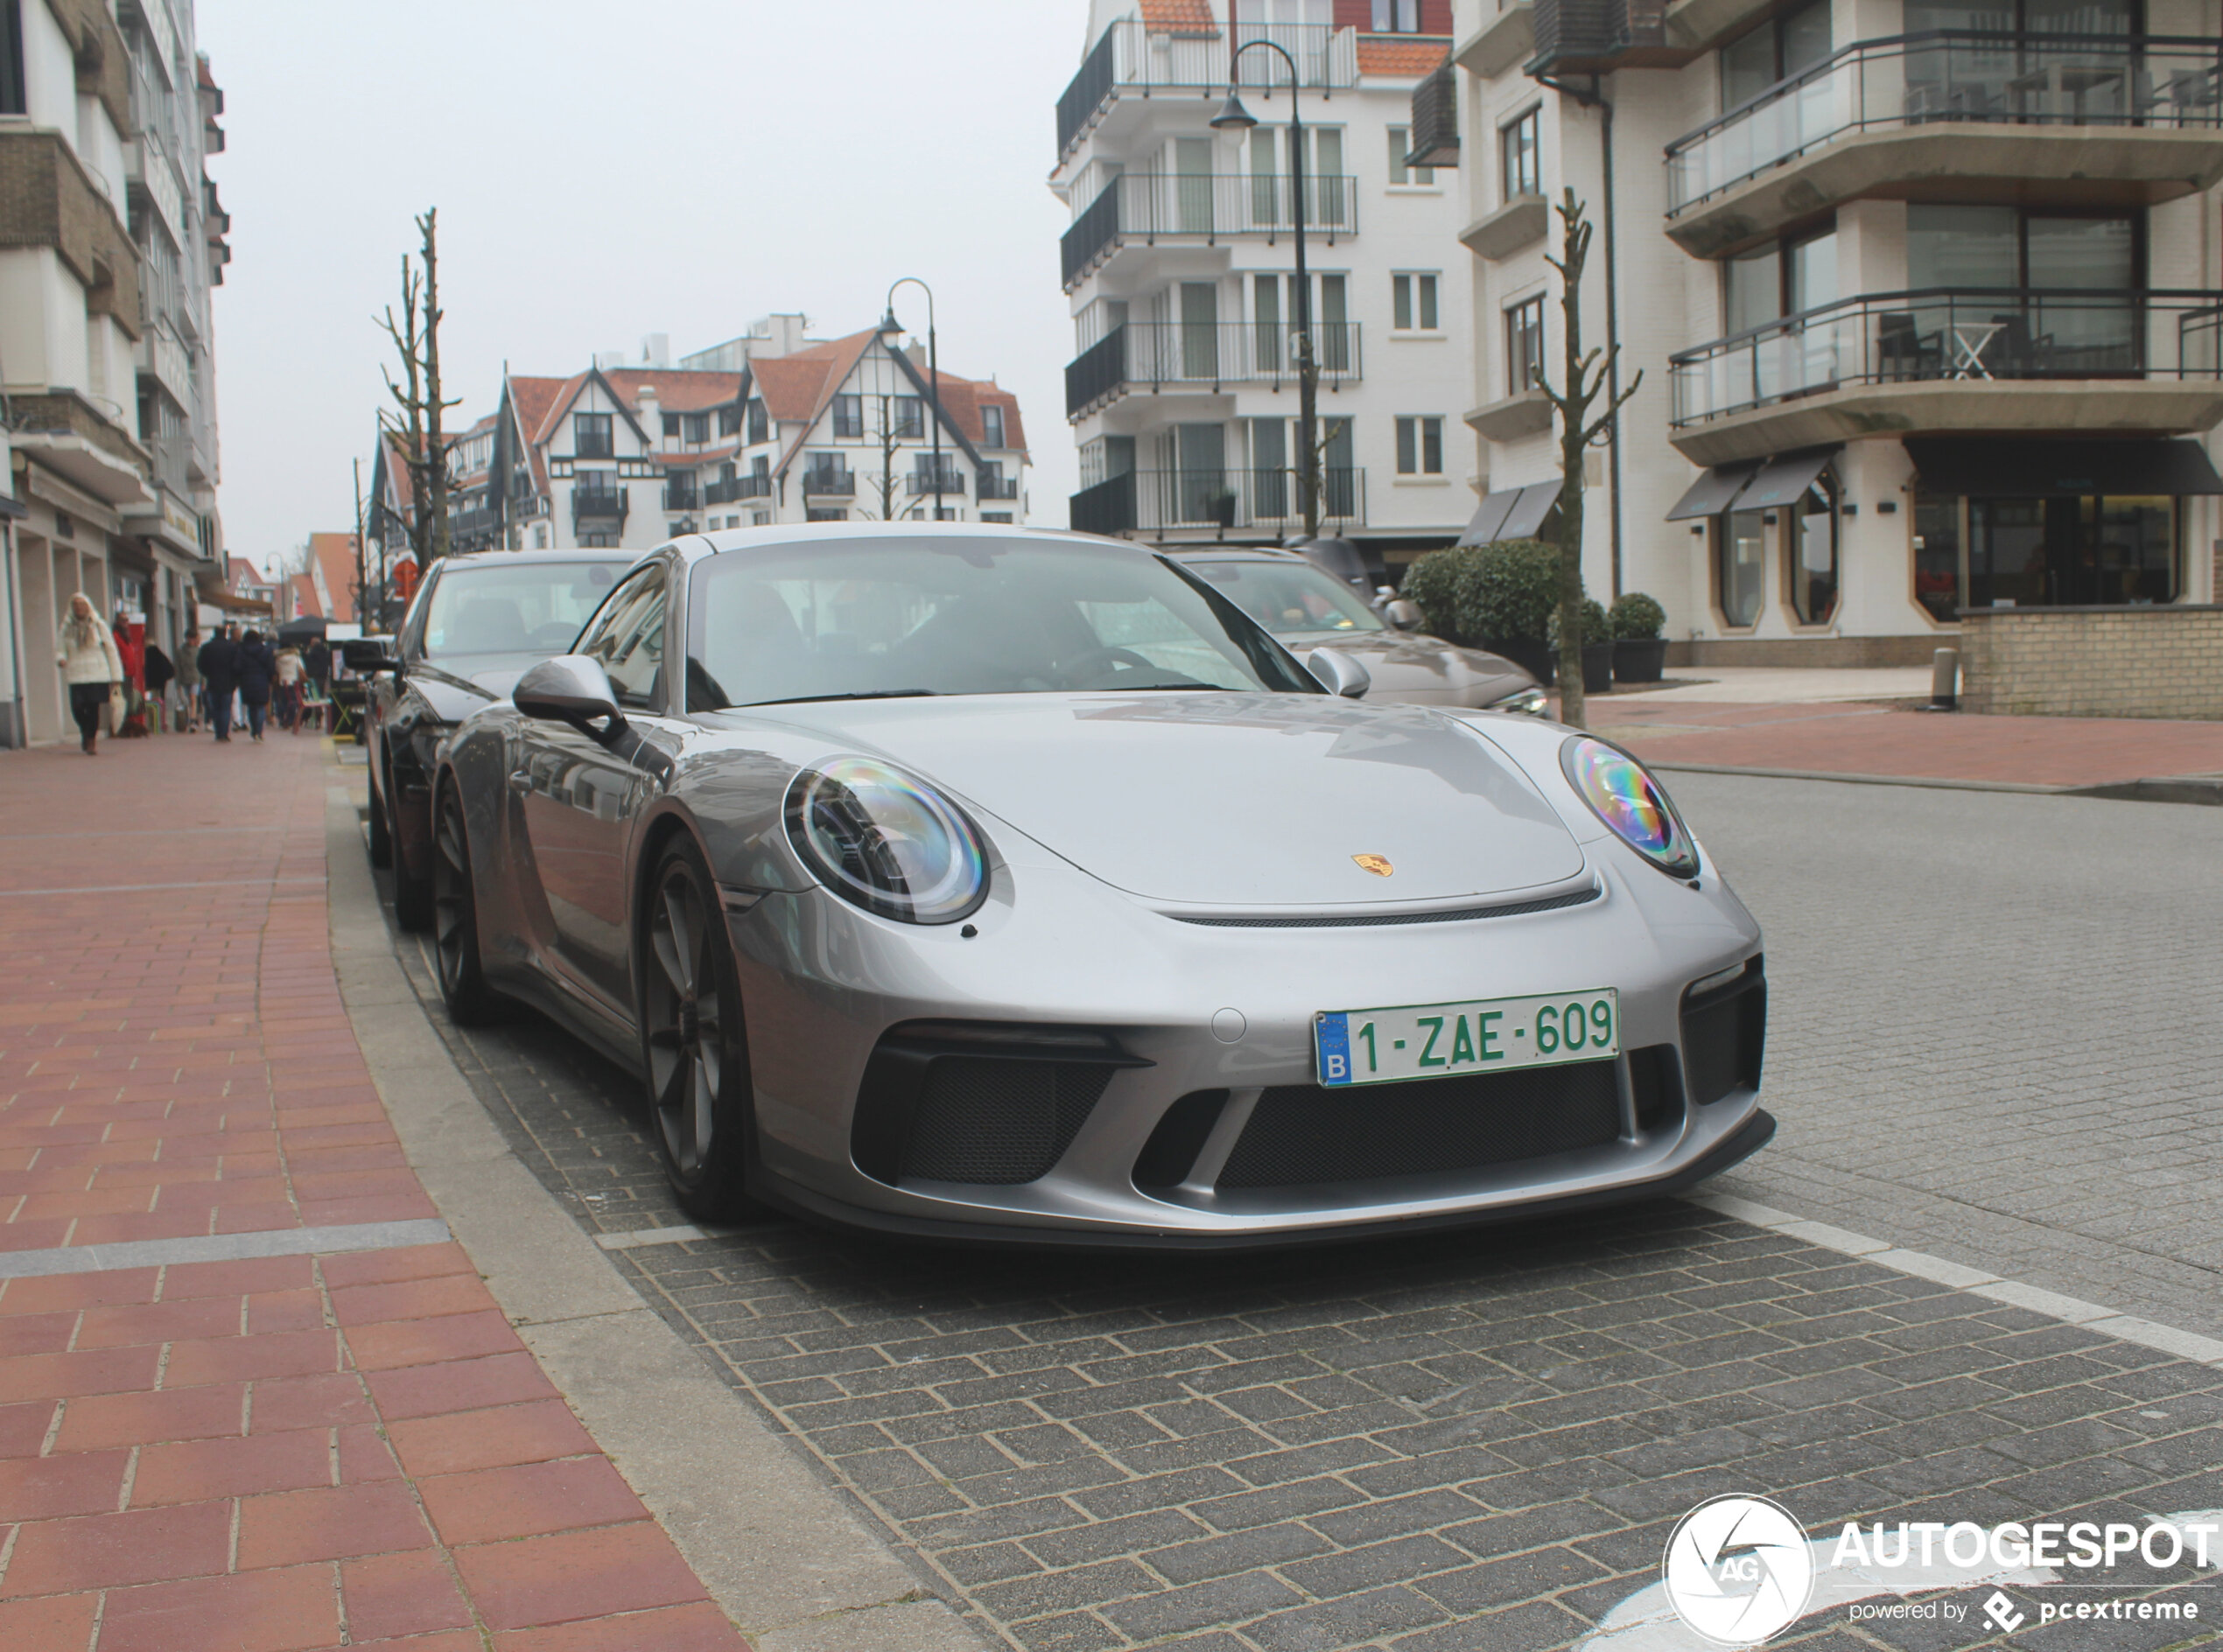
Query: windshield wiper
[(869, 694)]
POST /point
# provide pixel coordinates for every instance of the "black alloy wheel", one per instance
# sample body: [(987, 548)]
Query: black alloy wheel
[(696, 1053), (455, 917), (414, 900)]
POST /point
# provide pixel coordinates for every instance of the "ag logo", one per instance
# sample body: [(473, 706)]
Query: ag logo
[(1737, 1569)]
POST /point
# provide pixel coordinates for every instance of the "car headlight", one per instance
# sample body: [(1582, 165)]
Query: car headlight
[(1529, 702), (887, 842), (1623, 793)]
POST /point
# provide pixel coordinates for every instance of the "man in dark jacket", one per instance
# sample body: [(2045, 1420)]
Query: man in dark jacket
[(257, 666), (219, 663)]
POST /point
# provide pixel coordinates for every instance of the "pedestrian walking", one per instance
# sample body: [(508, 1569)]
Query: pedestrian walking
[(159, 674), (91, 667), (189, 677), (291, 672), (219, 663), (318, 662), (257, 670)]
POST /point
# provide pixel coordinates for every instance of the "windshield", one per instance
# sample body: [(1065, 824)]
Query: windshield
[(862, 618), (1290, 596), (534, 609)]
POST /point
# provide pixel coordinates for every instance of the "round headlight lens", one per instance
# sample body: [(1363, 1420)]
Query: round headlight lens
[(887, 842), (1625, 796)]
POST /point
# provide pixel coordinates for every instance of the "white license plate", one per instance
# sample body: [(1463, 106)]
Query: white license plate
[(1485, 1035)]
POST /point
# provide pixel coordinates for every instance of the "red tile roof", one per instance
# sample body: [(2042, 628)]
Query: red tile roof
[(335, 559), (678, 390), (1401, 57), (304, 597), (1180, 16)]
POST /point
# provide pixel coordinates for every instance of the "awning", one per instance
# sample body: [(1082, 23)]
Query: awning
[(1995, 469), (1785, 479), (1516, 512), (1711, 494)]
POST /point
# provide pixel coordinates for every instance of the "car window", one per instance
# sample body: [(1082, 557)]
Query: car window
[(1289, 597), (534, 609), (946, 616), (627, 637)]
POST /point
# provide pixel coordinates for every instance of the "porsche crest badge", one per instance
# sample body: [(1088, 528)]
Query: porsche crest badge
[(1376, 863)]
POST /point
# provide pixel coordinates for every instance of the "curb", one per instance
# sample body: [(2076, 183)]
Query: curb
[(2192, 789), (780, 1552)]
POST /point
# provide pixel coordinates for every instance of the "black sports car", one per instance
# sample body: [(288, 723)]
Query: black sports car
[(478, 622)]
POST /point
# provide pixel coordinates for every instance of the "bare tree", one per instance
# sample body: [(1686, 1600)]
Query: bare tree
[(1584, 378), (417, 426), (886, 480)]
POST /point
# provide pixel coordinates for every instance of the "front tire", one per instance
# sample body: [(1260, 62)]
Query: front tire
[(454, 904), (694, 1050)]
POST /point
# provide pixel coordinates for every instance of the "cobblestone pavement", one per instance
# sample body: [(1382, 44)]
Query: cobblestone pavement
[(1481, 1441), (1994, 1028)]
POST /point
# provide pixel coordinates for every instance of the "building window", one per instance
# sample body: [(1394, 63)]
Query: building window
[(1412, 303), (1400, 175), (679, 491), (760, 518), (825, 514), (760, 422), (1740, 565), (13, 89), (1420, 446), (591, 436), (694, 427), (1396, 17), (991, 427), (597, 541), (1785, 277), (910, 418), (1936, 555), (1520, 158), (1003, 516), (1809, 548), (671, 427), (1779, 48), (848, 417), (2073, 551), (729, 420), (1523, 345)]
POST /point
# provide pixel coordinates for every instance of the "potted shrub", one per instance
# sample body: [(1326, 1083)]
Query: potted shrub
[(1432, 583), (1597, 647), (1506, 603), (1639, 652)]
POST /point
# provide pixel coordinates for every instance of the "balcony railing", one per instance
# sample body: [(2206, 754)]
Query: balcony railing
[(1159, 355), (1206, 207), (989, 487), (601, 501), (1944, 334), (830, 484), (1131, 56), (921, 482), (679, 499), (726, 492), (2166, 83), (1153, 501)]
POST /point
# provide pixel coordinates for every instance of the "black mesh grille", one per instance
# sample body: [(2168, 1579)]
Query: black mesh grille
[(1374, 920), (987, 1119), (1301, 1133), (1722, 1038)]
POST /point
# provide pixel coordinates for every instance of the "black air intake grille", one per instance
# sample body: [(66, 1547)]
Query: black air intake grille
[(1723, 1034), (1300, 1134), (990, 1119)]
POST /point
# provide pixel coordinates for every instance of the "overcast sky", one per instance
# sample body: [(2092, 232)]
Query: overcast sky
[(603, 172)]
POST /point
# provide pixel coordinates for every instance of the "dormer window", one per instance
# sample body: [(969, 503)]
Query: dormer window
[(991, 427), (694, 427), (760, 422), (591, 436)]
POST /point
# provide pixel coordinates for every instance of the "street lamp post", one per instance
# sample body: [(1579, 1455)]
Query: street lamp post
[(933, 376), (1233, 117)]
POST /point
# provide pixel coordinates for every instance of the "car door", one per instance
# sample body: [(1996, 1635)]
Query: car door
[(581, 794)]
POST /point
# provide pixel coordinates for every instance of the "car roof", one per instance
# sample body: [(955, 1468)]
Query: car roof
[(1247, 553), (514, 558), (726, 539)]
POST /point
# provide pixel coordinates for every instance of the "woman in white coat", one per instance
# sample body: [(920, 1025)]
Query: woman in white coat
[(90, 665)]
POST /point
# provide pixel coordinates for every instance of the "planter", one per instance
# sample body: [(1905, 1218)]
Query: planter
[(1531, 655), (1597, 668), (1639, 659)]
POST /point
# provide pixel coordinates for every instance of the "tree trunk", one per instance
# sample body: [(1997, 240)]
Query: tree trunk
[(436, 453)]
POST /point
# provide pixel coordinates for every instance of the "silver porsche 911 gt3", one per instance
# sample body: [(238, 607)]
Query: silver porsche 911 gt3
[(991, 883)]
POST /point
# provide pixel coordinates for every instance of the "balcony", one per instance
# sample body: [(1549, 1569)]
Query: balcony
[(147, 165), (921, 482), (995, 487), (1204, 356), (1132, 60), (600, 503), (85, 440), (1203, 209), (1507, 36), (1999, 360), (679, 498), (164, 360), (2051, 119), (1215, 502), (738, 488), (830, 484)]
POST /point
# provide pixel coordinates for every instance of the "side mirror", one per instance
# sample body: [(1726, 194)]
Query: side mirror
[(367, 656), (1339, 673), (570, 688)]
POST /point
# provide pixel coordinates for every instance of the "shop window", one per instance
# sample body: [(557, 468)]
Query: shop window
[(1936, 555), (1740, 565), (1810, 539), (2072, 551)]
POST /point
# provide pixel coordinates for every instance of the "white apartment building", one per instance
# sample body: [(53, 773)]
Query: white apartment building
[(110, 239), (773, 427), (1925, 294), (1181, 271)]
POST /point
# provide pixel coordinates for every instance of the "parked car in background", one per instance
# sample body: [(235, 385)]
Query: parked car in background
[(477, 623), (1305, 608)]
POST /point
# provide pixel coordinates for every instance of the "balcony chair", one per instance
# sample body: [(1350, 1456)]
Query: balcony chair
[(2014, 352), (1900, 351)]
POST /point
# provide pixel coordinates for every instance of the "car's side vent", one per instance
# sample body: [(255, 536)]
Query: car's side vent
[(986, 1102), (1170, 1153), (1724, 1032), (1657, 1083)]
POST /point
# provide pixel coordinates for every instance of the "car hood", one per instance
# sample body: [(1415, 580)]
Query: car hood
[(1239, 799), (461, 684), (1410, 659)]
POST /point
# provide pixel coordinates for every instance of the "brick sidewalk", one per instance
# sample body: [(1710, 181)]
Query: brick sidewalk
[(1864, 739), (280, 1452)]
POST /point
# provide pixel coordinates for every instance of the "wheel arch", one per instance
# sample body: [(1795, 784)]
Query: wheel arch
[(668, 823)]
